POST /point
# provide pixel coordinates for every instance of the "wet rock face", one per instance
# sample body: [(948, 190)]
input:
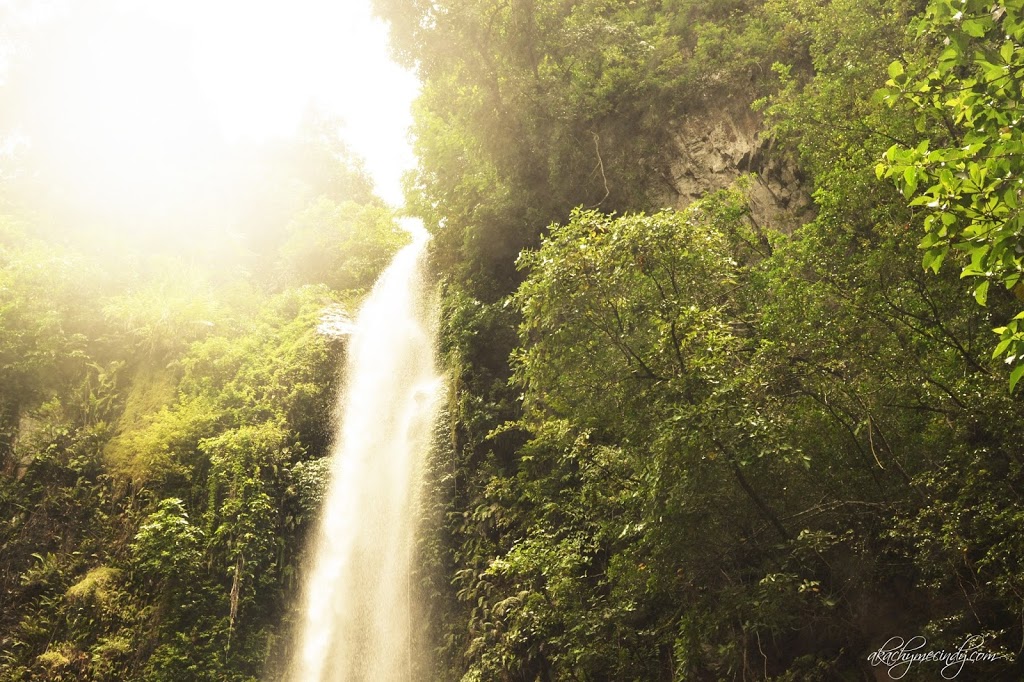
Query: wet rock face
[(718, 145)]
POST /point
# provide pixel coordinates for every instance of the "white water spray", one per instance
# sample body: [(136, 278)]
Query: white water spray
[(356, 608)]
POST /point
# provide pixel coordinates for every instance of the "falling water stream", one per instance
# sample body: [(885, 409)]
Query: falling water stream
[(356, 614)]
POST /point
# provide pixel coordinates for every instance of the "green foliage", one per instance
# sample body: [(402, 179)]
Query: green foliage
[(163, 428), (341, 245), (588, 305), (966, 172), (645, 315), (167, 545), (751, 424), (157, 447), (95, 585), (40, 321), (690, 445), (530, 109), (165, 315), (728, 453)]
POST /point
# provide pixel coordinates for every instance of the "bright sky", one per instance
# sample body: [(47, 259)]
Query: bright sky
[(248, 69)]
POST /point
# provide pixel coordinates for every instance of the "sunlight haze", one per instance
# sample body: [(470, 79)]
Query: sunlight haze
[(124, 94)]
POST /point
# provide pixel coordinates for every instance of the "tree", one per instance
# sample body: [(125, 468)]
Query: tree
[(967, 174)]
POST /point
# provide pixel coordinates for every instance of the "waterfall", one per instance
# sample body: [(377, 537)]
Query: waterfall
[(356, 610)]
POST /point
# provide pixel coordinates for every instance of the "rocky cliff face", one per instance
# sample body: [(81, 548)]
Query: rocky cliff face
[(719, 144)]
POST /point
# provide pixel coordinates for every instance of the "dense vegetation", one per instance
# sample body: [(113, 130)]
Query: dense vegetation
[(166, 410), (686, 441), (716, 442)]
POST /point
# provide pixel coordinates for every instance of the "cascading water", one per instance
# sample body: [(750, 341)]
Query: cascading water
[(356, 608)]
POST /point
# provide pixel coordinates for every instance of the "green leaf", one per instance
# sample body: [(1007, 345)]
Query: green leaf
[(895, 69), (974, 28), (1010, 198), (1006, 51), (1001, 348), (1015, 376), (933, 258), (910, 180), (981, 293)]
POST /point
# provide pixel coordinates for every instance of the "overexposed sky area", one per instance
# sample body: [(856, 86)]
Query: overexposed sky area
[(234, 69)]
